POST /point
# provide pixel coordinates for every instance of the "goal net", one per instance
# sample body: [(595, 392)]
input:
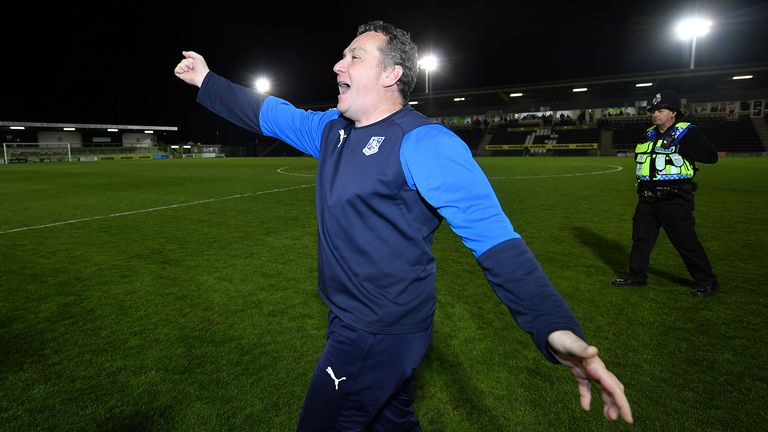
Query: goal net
[(18, 152)]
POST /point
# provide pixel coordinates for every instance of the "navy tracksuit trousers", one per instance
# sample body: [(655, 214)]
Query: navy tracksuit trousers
[(363, 381)]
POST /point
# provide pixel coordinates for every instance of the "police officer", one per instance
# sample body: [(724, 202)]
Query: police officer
[(666, 165)]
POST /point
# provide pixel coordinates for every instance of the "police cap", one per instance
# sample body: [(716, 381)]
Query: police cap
[(666, 99)]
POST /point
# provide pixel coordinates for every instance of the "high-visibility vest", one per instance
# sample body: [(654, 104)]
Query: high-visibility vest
[(658, 159)]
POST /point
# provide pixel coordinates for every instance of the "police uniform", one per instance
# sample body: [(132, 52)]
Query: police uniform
[(666, 166)]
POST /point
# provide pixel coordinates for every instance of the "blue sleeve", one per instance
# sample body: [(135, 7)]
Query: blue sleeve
[(299, 128), (263, 114), (439, 165)]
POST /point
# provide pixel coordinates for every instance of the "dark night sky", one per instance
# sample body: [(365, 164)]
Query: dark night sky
[(114, 64)]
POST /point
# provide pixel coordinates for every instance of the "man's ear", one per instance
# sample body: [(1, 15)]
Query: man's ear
[(393, 76)]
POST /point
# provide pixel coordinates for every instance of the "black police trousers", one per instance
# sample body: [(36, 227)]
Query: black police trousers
[(674, 212)]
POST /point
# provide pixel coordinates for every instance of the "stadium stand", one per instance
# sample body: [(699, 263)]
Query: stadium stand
[(547, 118), (471, 135), (627, 131), (730, 135), (735, 135), (509, 136), (568, 135)]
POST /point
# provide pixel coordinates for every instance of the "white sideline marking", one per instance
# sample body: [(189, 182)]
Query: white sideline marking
[(153, 209), (617, 168)]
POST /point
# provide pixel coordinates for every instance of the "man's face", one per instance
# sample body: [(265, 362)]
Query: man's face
[(663, 117), (360, 76)]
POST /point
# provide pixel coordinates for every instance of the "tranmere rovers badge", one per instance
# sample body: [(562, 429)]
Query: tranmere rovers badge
[(373, 145)]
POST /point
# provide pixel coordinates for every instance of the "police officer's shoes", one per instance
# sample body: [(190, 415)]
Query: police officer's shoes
[(625, 282), (707, 290)]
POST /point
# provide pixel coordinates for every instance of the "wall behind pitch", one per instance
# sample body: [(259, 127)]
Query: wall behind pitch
[(75, 139)]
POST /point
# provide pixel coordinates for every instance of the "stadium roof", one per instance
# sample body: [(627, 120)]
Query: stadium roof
[(86, 126), (699, 85)]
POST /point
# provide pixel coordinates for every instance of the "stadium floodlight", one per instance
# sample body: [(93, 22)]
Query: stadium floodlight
[(741, 77), (579, 89), (428, 63), (413, 102), (644, 84), (262, 85), (111, 130), (149, 132), (693, 28), (515, 94), (68, 128)]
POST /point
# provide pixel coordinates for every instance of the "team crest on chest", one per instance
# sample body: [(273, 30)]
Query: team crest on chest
[(373, 145)]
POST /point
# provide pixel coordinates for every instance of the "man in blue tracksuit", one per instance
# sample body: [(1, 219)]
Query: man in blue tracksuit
[(387, 176)]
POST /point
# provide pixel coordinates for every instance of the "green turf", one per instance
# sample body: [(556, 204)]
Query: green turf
[(179, 295)]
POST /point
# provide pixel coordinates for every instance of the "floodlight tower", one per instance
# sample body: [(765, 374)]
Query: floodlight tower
[(428, 63), (692, 28)]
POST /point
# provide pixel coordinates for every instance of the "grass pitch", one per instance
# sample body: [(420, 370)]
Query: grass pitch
[(180, 295)]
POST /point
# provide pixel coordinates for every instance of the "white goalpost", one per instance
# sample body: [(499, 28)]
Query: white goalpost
[(20, 152)]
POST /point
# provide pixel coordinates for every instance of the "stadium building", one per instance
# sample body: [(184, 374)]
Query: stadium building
[(594, 116)]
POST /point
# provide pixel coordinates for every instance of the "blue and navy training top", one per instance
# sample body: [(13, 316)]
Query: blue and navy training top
[(382, 190)]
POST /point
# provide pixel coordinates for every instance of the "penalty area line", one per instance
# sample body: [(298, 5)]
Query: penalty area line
[(282, 170), (615, 168)]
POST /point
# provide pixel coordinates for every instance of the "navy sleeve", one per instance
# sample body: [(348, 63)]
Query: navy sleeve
[(267, 115), (235, 103), (520, 282)]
